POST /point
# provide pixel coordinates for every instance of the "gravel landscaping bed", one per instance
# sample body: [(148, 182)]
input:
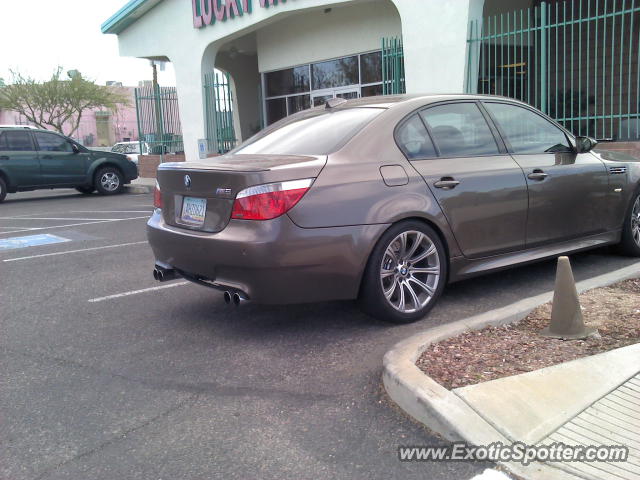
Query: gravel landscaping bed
[(496, 352)]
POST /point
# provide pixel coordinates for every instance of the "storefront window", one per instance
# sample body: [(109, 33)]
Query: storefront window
[(298, 88), (298, 103), (371, 67), (276, 109), (286, 82), (335, 73)]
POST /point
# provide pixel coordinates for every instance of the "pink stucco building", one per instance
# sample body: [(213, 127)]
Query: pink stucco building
[(98, 128)]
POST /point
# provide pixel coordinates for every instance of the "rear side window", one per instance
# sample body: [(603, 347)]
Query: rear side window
[(317, 132), (414, 140), (50, 142), (17, 141), (460, 130), (526, 131)]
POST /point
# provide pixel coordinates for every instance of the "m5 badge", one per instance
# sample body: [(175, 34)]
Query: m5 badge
[(223, 191)]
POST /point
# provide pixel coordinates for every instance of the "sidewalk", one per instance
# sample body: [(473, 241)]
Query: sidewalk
[(592, 401)]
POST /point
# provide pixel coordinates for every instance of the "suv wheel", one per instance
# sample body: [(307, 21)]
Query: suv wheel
[(3, 189), (630, 243), (405, 275), (108, 181)]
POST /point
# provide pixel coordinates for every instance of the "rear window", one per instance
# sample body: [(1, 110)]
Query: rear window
[(316, 132)]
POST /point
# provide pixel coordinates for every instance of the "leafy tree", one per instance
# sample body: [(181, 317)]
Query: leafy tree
[(58, 102)]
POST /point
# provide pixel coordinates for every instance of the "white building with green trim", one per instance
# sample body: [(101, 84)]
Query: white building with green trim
[(576, 59)]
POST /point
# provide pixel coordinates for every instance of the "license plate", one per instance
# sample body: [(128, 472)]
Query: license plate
[(194, 210)]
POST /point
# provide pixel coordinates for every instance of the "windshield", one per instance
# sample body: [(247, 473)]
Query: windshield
[(126, 148), (316, 132)]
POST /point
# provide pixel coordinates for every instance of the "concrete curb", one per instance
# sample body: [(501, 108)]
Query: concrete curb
[(138, 189), (443, 411)]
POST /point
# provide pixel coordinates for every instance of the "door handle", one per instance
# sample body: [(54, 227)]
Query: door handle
[(4, 157), (537, 175), (447, 183)]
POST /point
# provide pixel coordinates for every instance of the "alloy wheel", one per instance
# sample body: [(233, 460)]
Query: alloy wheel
[(635, 221), (410, 271), (110, 181)]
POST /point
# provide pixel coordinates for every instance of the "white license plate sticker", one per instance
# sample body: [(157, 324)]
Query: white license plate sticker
[(194, 210)]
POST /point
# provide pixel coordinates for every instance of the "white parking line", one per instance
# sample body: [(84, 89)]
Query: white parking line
[(136, 292), (72, 224), (112, 211), (57, 218), (73, 251)]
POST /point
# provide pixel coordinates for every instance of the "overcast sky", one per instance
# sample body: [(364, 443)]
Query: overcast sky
[(38, 35)]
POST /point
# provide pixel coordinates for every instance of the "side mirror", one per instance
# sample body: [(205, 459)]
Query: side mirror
[(585, 144), (75, 148)]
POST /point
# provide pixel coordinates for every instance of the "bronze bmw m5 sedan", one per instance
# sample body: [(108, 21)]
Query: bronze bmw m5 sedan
[(386, 200)]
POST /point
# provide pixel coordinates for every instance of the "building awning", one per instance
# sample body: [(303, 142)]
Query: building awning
[(132, 11)]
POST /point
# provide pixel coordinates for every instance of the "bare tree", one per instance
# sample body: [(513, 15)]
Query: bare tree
[(58, 102)]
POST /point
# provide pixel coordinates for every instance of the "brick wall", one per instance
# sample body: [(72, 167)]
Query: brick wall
[(631, 148), (148, 164)]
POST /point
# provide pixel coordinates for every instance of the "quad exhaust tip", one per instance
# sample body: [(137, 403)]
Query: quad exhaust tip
[(164, 274), (234, 298)]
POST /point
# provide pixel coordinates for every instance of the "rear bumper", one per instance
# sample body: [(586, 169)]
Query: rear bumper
[(272, 261)]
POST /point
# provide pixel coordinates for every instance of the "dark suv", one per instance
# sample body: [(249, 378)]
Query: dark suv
[(32, 159)]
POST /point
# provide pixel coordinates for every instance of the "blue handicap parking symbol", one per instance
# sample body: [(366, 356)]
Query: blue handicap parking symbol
[(30, 241)]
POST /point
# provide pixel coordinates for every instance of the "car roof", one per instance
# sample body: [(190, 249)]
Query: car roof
[(389, 101), (19, 127)]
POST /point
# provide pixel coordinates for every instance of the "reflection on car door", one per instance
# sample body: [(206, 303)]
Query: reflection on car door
[(480, 188), (59, 163), (568, 192), (18, 157)]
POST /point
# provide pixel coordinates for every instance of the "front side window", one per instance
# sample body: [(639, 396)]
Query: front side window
[(315, 132), (50, 142), (526, 131), (460, 130), (414, 140), (18, 141)]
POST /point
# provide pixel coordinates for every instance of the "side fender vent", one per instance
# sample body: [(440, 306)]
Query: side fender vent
[(617, 170)]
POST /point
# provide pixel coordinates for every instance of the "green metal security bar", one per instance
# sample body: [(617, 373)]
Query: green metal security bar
[(393, 66), (577, 60), (219, 112), (158, 119)]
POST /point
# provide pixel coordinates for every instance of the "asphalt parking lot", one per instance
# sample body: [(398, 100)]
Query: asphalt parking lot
[(105, 375)]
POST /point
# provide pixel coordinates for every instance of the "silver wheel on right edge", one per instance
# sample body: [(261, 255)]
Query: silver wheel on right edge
[(630, 240), (406, 273), (635, 221)]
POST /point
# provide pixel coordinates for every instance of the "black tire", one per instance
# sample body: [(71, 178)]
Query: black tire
[(108, 181), (630, 241), (86, 190), (3, 189), (400, 278)]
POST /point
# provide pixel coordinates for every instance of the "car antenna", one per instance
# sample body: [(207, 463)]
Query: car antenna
[(334, 102)]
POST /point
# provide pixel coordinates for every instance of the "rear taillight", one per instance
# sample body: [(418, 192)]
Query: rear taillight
[(157, 196), (264, 202)]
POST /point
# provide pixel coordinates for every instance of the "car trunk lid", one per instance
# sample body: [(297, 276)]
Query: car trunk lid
[(200, 195)]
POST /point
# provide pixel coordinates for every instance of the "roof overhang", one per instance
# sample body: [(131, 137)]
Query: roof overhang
[(132, 11)]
